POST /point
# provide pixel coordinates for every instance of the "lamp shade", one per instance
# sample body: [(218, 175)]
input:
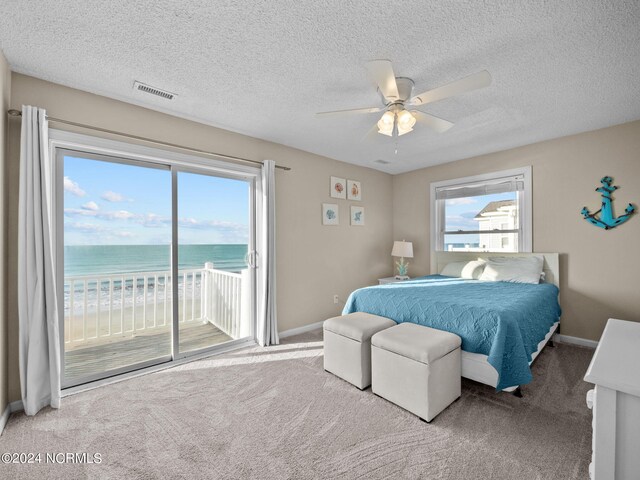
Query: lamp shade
[(406, 121), (402, 249), (386, 123)]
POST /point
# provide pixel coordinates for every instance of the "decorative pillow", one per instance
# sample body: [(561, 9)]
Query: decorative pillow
[(472, 269), (513, 269)]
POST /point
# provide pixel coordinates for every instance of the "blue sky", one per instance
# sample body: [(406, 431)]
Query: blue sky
[(459, 214), (108, 203)]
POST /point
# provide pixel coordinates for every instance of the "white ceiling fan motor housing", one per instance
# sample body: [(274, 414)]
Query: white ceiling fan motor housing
[(405, 90)]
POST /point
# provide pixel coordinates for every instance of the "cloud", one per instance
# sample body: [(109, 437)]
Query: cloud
[(121, 215), (72, 212), (218, 231), (93, 206), (461, 201), (73, 187), (153, 220), (113, 197), (189, 222), (460, 222), (111, 215), (146, 220), (93, 229), (84, 227), (225, 232)]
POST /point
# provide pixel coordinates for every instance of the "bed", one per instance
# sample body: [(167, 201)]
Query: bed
[(503, 326)]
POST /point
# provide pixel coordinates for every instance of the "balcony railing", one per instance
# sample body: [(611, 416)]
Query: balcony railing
[(105, 308)]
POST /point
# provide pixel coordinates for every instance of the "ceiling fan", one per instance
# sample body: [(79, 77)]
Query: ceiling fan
[(397, 95)]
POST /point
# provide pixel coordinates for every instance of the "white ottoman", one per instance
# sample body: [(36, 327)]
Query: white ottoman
[(347, 346), (417, 368)]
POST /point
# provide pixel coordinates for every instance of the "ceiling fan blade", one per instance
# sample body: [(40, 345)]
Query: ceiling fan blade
[(382, 73), (438, 124), (353, 110), (472, 82), (371, 135)]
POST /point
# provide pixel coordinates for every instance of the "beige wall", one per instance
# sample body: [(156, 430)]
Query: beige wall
[(599, 269), (5, 94), (314, 262)]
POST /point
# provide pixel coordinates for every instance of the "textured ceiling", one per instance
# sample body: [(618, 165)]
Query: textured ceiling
[(264, 68)]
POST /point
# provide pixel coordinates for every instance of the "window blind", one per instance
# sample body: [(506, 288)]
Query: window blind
[(499, 185)]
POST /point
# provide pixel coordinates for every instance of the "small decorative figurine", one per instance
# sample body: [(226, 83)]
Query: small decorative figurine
[(604, 218)]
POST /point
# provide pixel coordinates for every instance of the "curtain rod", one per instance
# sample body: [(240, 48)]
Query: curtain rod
[(18, 113)]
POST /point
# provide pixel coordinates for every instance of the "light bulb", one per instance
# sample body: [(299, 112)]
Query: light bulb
[(406, 119), (385, 124), (386, 119)]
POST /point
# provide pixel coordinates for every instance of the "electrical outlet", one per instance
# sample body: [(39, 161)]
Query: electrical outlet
[(336, 299)]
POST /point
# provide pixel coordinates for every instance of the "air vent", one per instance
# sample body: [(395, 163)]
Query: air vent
[(382, 162), (153, 90)]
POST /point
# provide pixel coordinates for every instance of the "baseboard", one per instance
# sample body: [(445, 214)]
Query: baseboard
[(4, 418), (16, 406), (11, 408), (582, 342), (299, 330)]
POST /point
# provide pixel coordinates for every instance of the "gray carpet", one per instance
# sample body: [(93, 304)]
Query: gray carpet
[(275, 413)]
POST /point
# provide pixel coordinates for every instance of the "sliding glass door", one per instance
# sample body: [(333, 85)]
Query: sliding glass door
[(117, 245), (155, 262), (214, 241)]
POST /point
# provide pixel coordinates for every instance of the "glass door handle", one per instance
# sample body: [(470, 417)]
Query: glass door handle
[(250, 259)]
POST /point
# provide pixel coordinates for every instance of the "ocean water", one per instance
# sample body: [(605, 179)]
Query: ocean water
[(91, 295), (107, 259)]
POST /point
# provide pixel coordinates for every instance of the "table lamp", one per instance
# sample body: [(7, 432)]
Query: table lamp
[(402, 249)]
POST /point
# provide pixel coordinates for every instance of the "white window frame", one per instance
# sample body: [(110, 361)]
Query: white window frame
[(525, 205)]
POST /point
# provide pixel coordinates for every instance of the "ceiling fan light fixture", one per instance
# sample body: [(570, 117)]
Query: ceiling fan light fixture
[(397, 93), (406, 120), (386, 123), (388, 131)]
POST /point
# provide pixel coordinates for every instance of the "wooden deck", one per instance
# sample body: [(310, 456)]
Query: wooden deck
[(81, 362)]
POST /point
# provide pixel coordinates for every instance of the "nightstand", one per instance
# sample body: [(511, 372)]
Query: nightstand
[(384, 281)]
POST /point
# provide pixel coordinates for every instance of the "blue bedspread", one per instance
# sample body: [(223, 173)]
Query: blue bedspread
[(502, 320)]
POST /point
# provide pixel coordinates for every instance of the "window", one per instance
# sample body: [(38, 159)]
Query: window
[(484, 213)]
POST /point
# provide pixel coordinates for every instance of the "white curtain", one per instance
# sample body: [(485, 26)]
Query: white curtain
[(267, 333), (37, 306)]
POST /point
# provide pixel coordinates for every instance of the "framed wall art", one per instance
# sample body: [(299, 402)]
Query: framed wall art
[(330, 214), (354, 190), (357, 215), (338, 187)]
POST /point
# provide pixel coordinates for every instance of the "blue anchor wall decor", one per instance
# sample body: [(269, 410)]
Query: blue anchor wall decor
[(605, 219)]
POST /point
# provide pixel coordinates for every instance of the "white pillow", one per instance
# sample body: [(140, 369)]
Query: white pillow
[(472, 269), (513, 269)]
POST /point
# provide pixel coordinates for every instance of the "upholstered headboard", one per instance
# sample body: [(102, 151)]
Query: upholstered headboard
[(551, 266)]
